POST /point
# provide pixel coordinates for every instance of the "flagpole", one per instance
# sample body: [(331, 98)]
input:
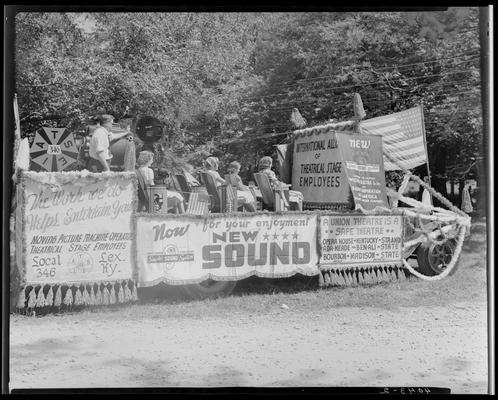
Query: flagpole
[(17, 130), (425, 142)]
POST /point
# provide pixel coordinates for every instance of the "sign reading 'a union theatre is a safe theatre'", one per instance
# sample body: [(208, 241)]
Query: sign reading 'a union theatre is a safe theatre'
[(317, 170), (355, 240), (183, 249), (78, 231)]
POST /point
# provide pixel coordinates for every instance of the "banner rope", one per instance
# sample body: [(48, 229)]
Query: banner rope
[(461, 219)]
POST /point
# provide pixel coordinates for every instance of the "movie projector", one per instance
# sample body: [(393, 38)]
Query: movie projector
[(59, 149)]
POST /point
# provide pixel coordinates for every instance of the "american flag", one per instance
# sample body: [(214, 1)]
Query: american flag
[(403, 136), (198, 204)]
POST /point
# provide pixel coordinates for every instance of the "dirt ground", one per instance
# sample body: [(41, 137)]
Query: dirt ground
[(223, 344), (433, 346)]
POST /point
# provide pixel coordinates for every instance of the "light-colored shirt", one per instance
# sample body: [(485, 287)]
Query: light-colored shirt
[(148, 175), (218, 180), (271, 176), (100, 142)]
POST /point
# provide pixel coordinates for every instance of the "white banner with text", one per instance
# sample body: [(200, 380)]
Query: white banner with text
[(355, 240), (77, 230), (189, 249), (317, 170)]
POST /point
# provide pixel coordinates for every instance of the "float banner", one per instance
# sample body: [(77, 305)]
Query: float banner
[(77, 227), (190, 249), (350, 241), (362, 160), (317, 170)]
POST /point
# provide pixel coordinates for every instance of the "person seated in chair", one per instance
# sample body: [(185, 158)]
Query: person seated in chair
[(146, 175), (188, 172), (211, 167), (295, 197), (244, 195)]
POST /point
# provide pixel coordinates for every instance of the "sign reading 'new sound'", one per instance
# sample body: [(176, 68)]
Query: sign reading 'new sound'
[(187, 249)]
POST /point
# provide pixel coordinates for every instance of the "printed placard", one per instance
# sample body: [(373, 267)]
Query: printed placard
[(348, 240), (78, 231), (317, 170), (362, 157), (187, 249)]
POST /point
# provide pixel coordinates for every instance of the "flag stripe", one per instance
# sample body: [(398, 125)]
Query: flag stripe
[(406, 154), (386, 129), (410, 142), (403, 137)]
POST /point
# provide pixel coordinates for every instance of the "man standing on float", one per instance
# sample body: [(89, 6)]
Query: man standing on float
[(100, 156)]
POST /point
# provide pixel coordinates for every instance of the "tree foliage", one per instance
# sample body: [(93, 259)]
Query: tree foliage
[(225, 84)]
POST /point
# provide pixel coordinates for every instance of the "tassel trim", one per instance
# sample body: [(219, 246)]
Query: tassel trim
[(92, 294), (360, 276)]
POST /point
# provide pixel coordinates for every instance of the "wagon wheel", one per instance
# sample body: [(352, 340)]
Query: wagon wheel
[(433, 258), (209, 289)]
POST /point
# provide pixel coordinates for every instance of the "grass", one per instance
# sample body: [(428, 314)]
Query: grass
[(302, 294)]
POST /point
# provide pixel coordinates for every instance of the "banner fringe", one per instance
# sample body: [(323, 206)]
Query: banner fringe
[(40, 298), (112, 295), (327, 278), (105, 296), (49, 299), (354, 279), (85, 296), (58, 297), (68, 298), (98, 296), (91, 300), (127, 292), (32, 298), (78, 298), (349, 280), (121, 298)]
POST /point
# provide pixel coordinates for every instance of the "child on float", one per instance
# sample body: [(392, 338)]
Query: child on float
[(295, 197), (145, 176), (211, 167)]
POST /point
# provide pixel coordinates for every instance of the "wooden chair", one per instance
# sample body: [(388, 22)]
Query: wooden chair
[(273, 200), (212, 191), (229, 178), (182, 185), (143, 195)]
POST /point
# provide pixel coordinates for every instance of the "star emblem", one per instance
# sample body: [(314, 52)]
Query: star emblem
[(266, 236), (295, 235), (285, 236), (275, 236)]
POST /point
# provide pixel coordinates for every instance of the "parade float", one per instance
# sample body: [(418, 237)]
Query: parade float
[(78, 239)]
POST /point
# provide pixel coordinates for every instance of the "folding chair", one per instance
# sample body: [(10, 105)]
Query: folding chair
[(143, 196), (273, 200), (212, 191), (183, 185)]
